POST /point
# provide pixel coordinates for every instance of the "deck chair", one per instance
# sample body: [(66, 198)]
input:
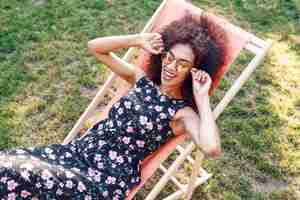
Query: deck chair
[(238, 39)]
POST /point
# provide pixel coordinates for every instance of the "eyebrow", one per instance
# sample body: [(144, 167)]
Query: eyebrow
[(179, 58)]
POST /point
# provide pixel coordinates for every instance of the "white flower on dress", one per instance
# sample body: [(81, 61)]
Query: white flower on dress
[(126, 140), (162, 98), (68, 155), (110, 180), (171, 111), (119, 123), (137, 107), (20, 151), (158, 108), (81, 187), (87, 197), (120, 111), (120, 159), (59, 192), (91, 172), (127, 104), (162, 115), (105, 193), (100, 165), (100, 127), (143, 120), (148, 91), (3, 179), (97, 178), (158, 138), (138, 89), (48, 150), (117, 104), (46, 174), (11, 185), (98, 157), (52, 156), (112, 155), (49, 184), (159, 127), (69, 174), (25, 174), (140, 143), (69, 184), (149, 126), (38, 185), (101, 143), (111, 124)]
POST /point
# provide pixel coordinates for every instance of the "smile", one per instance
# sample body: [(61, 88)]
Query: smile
[(168, 75)]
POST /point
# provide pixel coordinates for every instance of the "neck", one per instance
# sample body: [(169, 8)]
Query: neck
[(171, 91)]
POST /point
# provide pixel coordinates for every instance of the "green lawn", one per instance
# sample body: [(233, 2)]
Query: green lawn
[(46, 75)]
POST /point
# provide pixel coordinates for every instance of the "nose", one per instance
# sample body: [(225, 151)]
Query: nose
[(173, 66)]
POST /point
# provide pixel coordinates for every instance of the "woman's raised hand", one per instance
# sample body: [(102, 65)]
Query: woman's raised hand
[(152, 42), (201, 82)]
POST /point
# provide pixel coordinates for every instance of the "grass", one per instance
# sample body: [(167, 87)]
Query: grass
[(44, 67)]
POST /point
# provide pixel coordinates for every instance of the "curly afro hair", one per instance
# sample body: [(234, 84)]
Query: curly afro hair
[(207, 40)]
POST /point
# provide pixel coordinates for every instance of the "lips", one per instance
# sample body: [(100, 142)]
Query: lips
[(168, 75)]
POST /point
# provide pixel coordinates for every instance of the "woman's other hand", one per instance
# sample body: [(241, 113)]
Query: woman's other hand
[(152, 42), (201, 82)]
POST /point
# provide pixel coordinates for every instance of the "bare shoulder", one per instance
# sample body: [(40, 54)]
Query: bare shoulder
[(185, 113)]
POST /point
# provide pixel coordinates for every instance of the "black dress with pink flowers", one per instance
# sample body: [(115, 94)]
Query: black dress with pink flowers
[(104, 164)]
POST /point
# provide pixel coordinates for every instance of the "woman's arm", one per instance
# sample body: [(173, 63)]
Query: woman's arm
[(101, 47), (202, 127)]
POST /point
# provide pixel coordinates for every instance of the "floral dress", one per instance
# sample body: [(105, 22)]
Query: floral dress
[(105, 163)]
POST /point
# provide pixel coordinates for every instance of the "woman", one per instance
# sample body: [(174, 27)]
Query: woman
[(104, 164)]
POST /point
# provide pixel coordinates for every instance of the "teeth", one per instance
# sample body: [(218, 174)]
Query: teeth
[(169, 74)]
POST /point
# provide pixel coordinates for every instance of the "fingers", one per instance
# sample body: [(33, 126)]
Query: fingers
[(157, 42), (200, 75)]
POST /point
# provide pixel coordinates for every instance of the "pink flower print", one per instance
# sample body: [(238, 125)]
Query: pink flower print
[(112, 155), (25, 193), (129, 129), (49, 184), (140, 143), (115, 198), (25, 174), (87, 197), (100, 165), (97, 157), (11, 185), (69, 184), (46, 174), (171, 111), (149, 126), (158, 108), (122, 183), (81, 187), (34, 198), (91, 172), (11, 196), (97, 177), (126, 140), (143, 120), (162, 98), (120, 159), (101, 143), (127, 104), (3, 179), (105, 193), (162, 115), (110, 180), (148, 98)]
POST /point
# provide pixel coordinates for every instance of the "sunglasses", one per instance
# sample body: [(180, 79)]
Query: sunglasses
[(181, 64)]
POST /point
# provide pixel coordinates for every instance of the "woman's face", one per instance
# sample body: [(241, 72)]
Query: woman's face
[(176, 64)]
